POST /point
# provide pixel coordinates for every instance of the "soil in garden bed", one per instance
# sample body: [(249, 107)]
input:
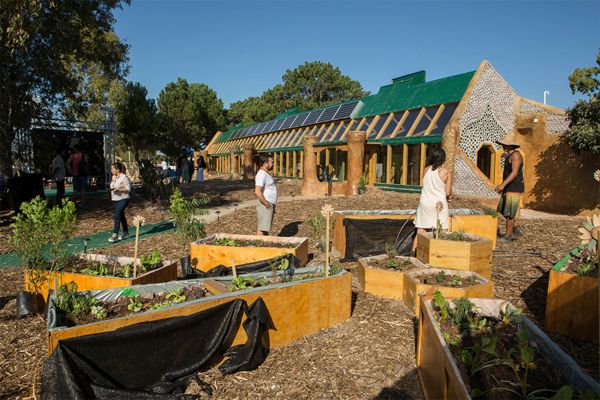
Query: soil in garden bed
[(249, 243), (402, 264), (456, 237), (113, 269), (118, 308), (494, 382), (446, 279), (243, 282), (584, 264)]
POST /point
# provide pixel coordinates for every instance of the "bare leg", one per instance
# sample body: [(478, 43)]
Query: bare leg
[(259, 233), (510, 224), (420, 231)]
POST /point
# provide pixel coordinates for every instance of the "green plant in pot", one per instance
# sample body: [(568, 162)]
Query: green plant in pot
[(189, 227), (362, 184), (38, 235)]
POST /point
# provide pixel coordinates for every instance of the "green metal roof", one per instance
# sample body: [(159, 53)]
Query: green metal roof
[(414, 93)]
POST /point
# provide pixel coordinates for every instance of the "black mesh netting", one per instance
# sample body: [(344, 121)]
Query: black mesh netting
[(257, 266), (367, 237), (156, 360)]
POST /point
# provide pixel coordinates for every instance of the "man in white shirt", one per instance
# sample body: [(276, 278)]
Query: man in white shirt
[(59, 170), (165, 167), (266, 192)]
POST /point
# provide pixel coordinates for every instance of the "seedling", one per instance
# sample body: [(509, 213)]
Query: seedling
[(455, 282), (390, 251), (158, 305), (135, 304), (441, 277), (226, 242), (176, 296), (441, 304), (241, 283), (98, 312), (99, 270), (153, 261)]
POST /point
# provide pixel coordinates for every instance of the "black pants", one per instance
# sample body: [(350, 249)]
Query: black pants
[(120, 219), (60, 191)]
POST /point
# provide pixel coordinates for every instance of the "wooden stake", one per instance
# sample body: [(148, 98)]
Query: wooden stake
[(135, 254), (327, 246), (233, 269)]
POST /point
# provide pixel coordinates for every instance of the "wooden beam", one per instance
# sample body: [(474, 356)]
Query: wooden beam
[(296, 137), (417, 120), (288, 140), (328, 132), (281, 157), (435, 118), (301, 164), (399, 126), (275, 166), (372, 126), (360, 124), (346, 130), (388, 169), (287, 163), (275, 139), (385, 125), (422, 163), (404, 164), (294, 163), (372, 167)]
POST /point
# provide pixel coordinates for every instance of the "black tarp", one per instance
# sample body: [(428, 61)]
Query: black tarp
[(24, 188), (257, 266), (367, 237), (156, 360)]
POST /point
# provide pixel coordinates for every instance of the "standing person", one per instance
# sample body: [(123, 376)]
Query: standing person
[(165, 167), (512, 186), (58, 169), (266, 192), (178, 167), (436, 189), (77, 166), (120, 189), (201, 168), (185, 170), (190, 168)]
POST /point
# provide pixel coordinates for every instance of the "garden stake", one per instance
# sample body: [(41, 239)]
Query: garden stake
[(137, 221), (233, 269), (326, 212)]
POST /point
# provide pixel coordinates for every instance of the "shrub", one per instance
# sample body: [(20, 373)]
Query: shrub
[(188, 227)]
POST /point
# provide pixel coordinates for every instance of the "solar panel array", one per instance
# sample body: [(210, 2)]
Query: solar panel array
[(308, 118)]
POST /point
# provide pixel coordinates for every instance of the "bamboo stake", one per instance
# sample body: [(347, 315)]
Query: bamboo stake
[(137, 221), (233, 269), (326, 211)]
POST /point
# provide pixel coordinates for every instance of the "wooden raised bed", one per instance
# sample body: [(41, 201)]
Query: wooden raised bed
[(40, 281), (413, 288), (473, 256), (468, 221), (387, 283), (209, 255), (440, 376), (572, 307), (296, 308)]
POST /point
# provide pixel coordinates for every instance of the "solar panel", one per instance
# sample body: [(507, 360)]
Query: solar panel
[(269, 126), (252, 130), (261, 129), (313, 117), (345, 110), (328, 114), (299, 121), (287, 122), (277, 125), (239, 133)]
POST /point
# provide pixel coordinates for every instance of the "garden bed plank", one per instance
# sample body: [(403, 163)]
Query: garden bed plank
[(296, 309), (209, 256), (381, 282)]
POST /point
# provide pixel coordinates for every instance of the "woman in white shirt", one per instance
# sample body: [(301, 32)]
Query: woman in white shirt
[(120, 188)]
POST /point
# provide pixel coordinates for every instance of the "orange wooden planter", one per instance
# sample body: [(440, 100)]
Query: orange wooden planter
[(451, 254), (40, 282), (413, 287), (209, 256), (572, 305), (296, 308), (381, 282), (481, 225)]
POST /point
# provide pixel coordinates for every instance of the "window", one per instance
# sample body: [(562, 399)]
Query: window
[(443, 120), (381, 165), (410, 119), (425, 120), (485, 160), (378, 126), (364, 126), (414, 164), (397, 159), (340, 131), (392, 125)]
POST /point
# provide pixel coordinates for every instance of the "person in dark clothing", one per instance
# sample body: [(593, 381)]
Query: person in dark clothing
[(512, 186), (190, 169), (58, 170)]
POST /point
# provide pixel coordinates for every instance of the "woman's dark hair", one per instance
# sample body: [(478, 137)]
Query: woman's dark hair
[(436, 158), (263, 159), (118, 166)]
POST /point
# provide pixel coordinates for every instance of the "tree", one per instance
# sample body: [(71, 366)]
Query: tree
[(136, 118), (584, 128), (188, 115), (310, 85), (41, 46)]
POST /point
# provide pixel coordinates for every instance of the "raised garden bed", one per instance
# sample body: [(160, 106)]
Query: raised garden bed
[(469, 221), (457, 251), (226, 249), (451, 283), (97, 271), (296, 308), (376, 275), (572, 301), (483, 347)]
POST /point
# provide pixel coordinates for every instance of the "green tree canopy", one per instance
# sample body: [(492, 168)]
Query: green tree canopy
[(136, 118), (45, 50), (584, 128), (310, 85), (189, 114)]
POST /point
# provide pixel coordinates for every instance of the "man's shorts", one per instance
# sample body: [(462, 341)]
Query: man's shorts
[(79, 183), (509, 204), (265, 217)]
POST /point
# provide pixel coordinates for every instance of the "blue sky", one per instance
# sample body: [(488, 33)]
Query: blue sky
[(242, 48)]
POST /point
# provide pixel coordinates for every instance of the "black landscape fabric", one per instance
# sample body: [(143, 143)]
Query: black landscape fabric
[(367, 237), (156, 360), (256, 266)]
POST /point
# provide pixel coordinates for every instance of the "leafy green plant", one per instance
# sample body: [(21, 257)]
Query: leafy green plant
[(38, 226), (99, 270), (490, 211), (463, 308), (362, 182), (160, 304), (441, 277), (176, 296), (587, 262), (188, 226), (135, 304), (228, 242), (241, 282), (440, 302), (126, 271), (74, 305), (477, 357), (390, 251), (98, 312), (153, 261), (455, 282)]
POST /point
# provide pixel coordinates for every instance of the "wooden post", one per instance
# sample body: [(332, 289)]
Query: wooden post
[(404, 164), (326, 211), (287, 163), (275, 169), (137, 221), (233, 268), (422, 163), (281, 156), (295, 163), (388, 169)]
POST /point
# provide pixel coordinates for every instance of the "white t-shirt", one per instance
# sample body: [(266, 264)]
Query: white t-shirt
[(164, 165), (58, 168), (266, 181), (120, 182)]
